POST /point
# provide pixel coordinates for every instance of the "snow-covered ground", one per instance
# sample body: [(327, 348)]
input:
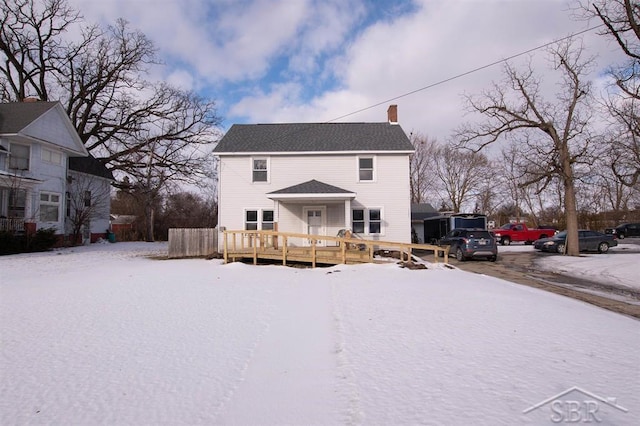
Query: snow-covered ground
[(106, 335), (619, 267)]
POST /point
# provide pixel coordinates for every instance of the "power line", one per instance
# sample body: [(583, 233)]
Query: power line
[(446, 80)]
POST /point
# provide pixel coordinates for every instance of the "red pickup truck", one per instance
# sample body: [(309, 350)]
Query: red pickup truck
[(511, 232)]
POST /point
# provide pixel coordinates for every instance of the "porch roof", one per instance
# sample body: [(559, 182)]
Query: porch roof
[(11, 180), (312, 190)]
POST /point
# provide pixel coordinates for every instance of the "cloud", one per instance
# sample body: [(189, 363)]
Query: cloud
[(437, 41), (314, 60)]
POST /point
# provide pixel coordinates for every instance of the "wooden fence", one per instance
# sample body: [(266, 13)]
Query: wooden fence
[(192, 242)]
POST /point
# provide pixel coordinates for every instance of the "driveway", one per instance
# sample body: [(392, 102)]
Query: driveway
[(520, 267)]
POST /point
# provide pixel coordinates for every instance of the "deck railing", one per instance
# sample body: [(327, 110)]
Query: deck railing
[(320, 249), (11, 224)]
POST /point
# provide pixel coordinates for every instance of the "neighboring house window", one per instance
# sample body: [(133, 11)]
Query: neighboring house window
[(51, 156), (251, 220), (68, 203), (366, 221), (267, 220), (17, 203), (49, 207), (19, 158), (87, 198), (365, 169), (260, 170)]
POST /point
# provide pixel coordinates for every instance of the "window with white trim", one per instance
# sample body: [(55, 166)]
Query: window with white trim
[(259, 219), (375, 221), (49, 207), (366, 169), (19, 156), (357, 221), (366, 221), (52, 157), (251, 220), (267, 220), (260, 169)]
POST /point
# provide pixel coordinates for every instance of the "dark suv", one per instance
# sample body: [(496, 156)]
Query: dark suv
[(471, 243), (627, 230)]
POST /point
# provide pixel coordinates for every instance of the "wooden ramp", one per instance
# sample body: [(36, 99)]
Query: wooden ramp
[(273, 245)]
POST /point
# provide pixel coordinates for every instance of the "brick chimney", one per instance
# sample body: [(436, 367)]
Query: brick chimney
[(392, 114)]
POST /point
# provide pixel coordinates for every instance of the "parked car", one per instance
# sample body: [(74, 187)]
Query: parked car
[(626, 230), (471, 243), (587, 241), (512, 232)]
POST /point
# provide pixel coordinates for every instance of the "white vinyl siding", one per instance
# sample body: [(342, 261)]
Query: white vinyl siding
[(390, 190)]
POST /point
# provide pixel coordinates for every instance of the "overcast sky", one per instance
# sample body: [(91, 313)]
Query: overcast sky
[(266, 61)]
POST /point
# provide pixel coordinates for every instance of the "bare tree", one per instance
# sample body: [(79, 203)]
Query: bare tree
[(101, 81), (187, 210), (461, 173), (621, 19), (553, 137), (86, 200), (421, 173)]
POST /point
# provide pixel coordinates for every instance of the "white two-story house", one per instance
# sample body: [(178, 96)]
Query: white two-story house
[(316, 178), (42, 161)]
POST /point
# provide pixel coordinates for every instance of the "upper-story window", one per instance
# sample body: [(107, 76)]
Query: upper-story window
[(365, 169), (19, 156), (260, 169), (51, 156)]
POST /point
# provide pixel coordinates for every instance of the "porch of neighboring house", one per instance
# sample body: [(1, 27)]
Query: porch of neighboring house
[(14, 208), (277, 246)]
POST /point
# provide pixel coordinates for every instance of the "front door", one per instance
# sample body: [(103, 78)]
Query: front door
[(315, 223)]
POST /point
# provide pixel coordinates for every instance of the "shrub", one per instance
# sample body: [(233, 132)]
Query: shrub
[(11, 243), (42, 240)]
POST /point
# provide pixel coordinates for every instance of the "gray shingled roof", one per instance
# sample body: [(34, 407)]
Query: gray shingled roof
[(15, 116), (91, 166), (314, 137), (312, 187)]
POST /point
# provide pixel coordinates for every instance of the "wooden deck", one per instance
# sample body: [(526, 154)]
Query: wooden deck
[(272, 245)]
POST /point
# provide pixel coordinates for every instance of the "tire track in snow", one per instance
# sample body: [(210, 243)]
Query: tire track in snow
[(242, 372), (346, 379)]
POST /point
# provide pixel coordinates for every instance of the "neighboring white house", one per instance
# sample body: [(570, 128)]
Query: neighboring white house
[(316, 178), (37, 141), (88, 197)]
